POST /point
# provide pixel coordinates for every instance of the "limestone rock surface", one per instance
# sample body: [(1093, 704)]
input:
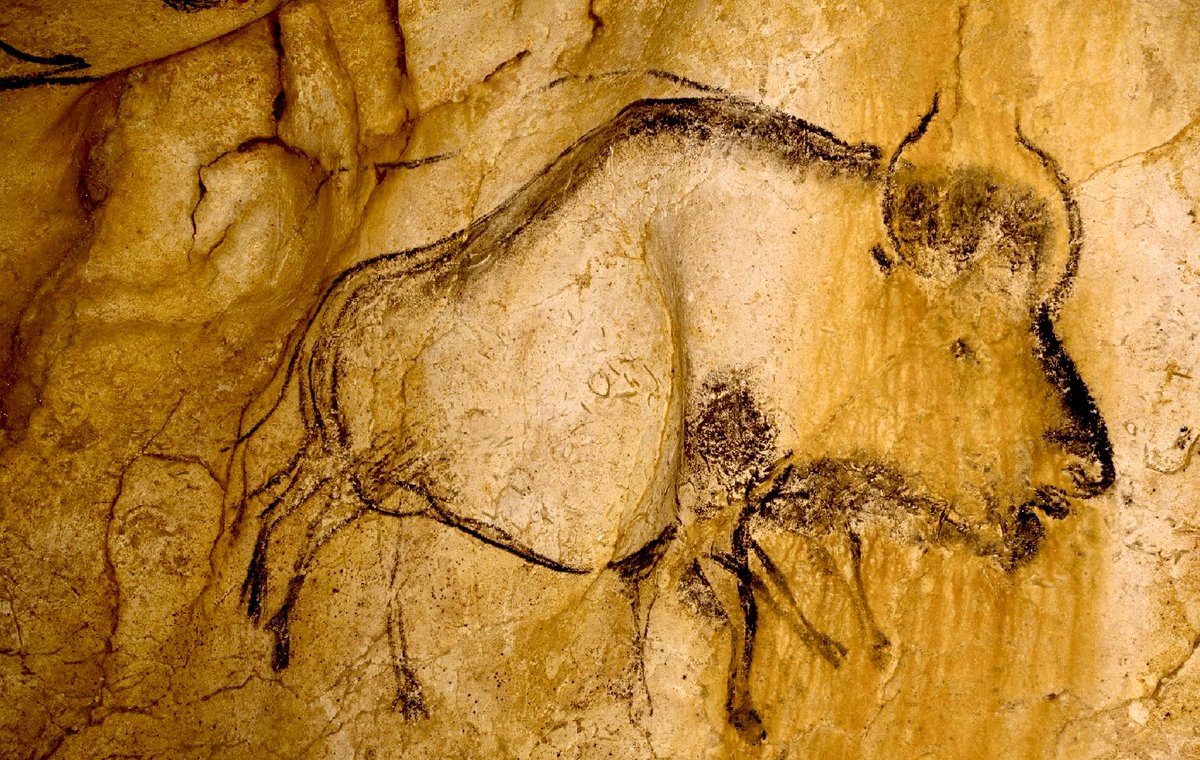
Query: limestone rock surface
[(579, 378)]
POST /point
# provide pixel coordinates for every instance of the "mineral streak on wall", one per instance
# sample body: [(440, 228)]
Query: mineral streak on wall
[(568, 378)]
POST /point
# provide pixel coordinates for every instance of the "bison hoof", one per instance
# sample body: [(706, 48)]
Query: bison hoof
[(748, 724), (831, 649), (410, 700), (281, 657), (280, 629), (881, 652)]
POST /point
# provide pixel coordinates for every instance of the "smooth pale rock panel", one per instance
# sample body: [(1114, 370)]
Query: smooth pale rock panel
[(1148, 239)]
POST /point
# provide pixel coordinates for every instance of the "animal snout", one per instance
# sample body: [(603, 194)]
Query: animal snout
[(1083, 462), (1089, 475), (1085, 452)]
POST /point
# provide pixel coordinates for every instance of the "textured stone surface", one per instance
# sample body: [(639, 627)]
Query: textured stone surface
[(696, 320)]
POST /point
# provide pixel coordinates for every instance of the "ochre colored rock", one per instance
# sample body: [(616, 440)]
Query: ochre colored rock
[(597, 379)]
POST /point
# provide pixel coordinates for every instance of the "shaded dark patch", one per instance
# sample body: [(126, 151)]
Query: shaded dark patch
[(729, 441), (1023, 538), (92, 187), (1184, 438), (835, 496), (881, 258), (276, 30), (594, 18), (279, 104), (697, 594), (1083, 432), (941, 218), (825, 494), (1051, 501), (191, 6), (962, 350), (410, 697)]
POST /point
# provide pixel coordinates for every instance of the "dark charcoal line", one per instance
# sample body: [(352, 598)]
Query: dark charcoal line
[(70, 62), (393, 10), (586, 78), (1085, 434), (916, 134), (677, 79), (415, 162), (191, 6), (255, 583), (36, 80), (1074, 223), (63, 63), (500, 539), (636, 566), (403, 264), (341, 432)]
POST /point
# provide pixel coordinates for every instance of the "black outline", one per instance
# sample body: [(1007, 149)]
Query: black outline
[(324, 477), (63, 63)]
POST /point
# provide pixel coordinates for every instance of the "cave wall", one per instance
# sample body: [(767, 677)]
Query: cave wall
[(185, 186)]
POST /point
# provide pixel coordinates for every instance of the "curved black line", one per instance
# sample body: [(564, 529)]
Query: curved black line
[(1085, 434), (337, 281), (500, 539), (916, 134), (415, 162), (63, 63), (1074, 224), (35, 80), (58, 59), (702, 119), (191, 6), (686, 82), (636, 565)]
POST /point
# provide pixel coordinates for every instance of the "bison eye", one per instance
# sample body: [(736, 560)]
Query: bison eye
[(962, 350)]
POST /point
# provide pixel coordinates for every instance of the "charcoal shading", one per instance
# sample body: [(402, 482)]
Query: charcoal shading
[(191, 6), (729, 437), (59, 69)]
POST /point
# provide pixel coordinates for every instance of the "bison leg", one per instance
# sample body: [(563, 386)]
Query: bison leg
[(776, 585), (634, 570), (743, 619), (333, 515), (301, 482), (410, 698), (866, 619), (853, 587), (633, 684)]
